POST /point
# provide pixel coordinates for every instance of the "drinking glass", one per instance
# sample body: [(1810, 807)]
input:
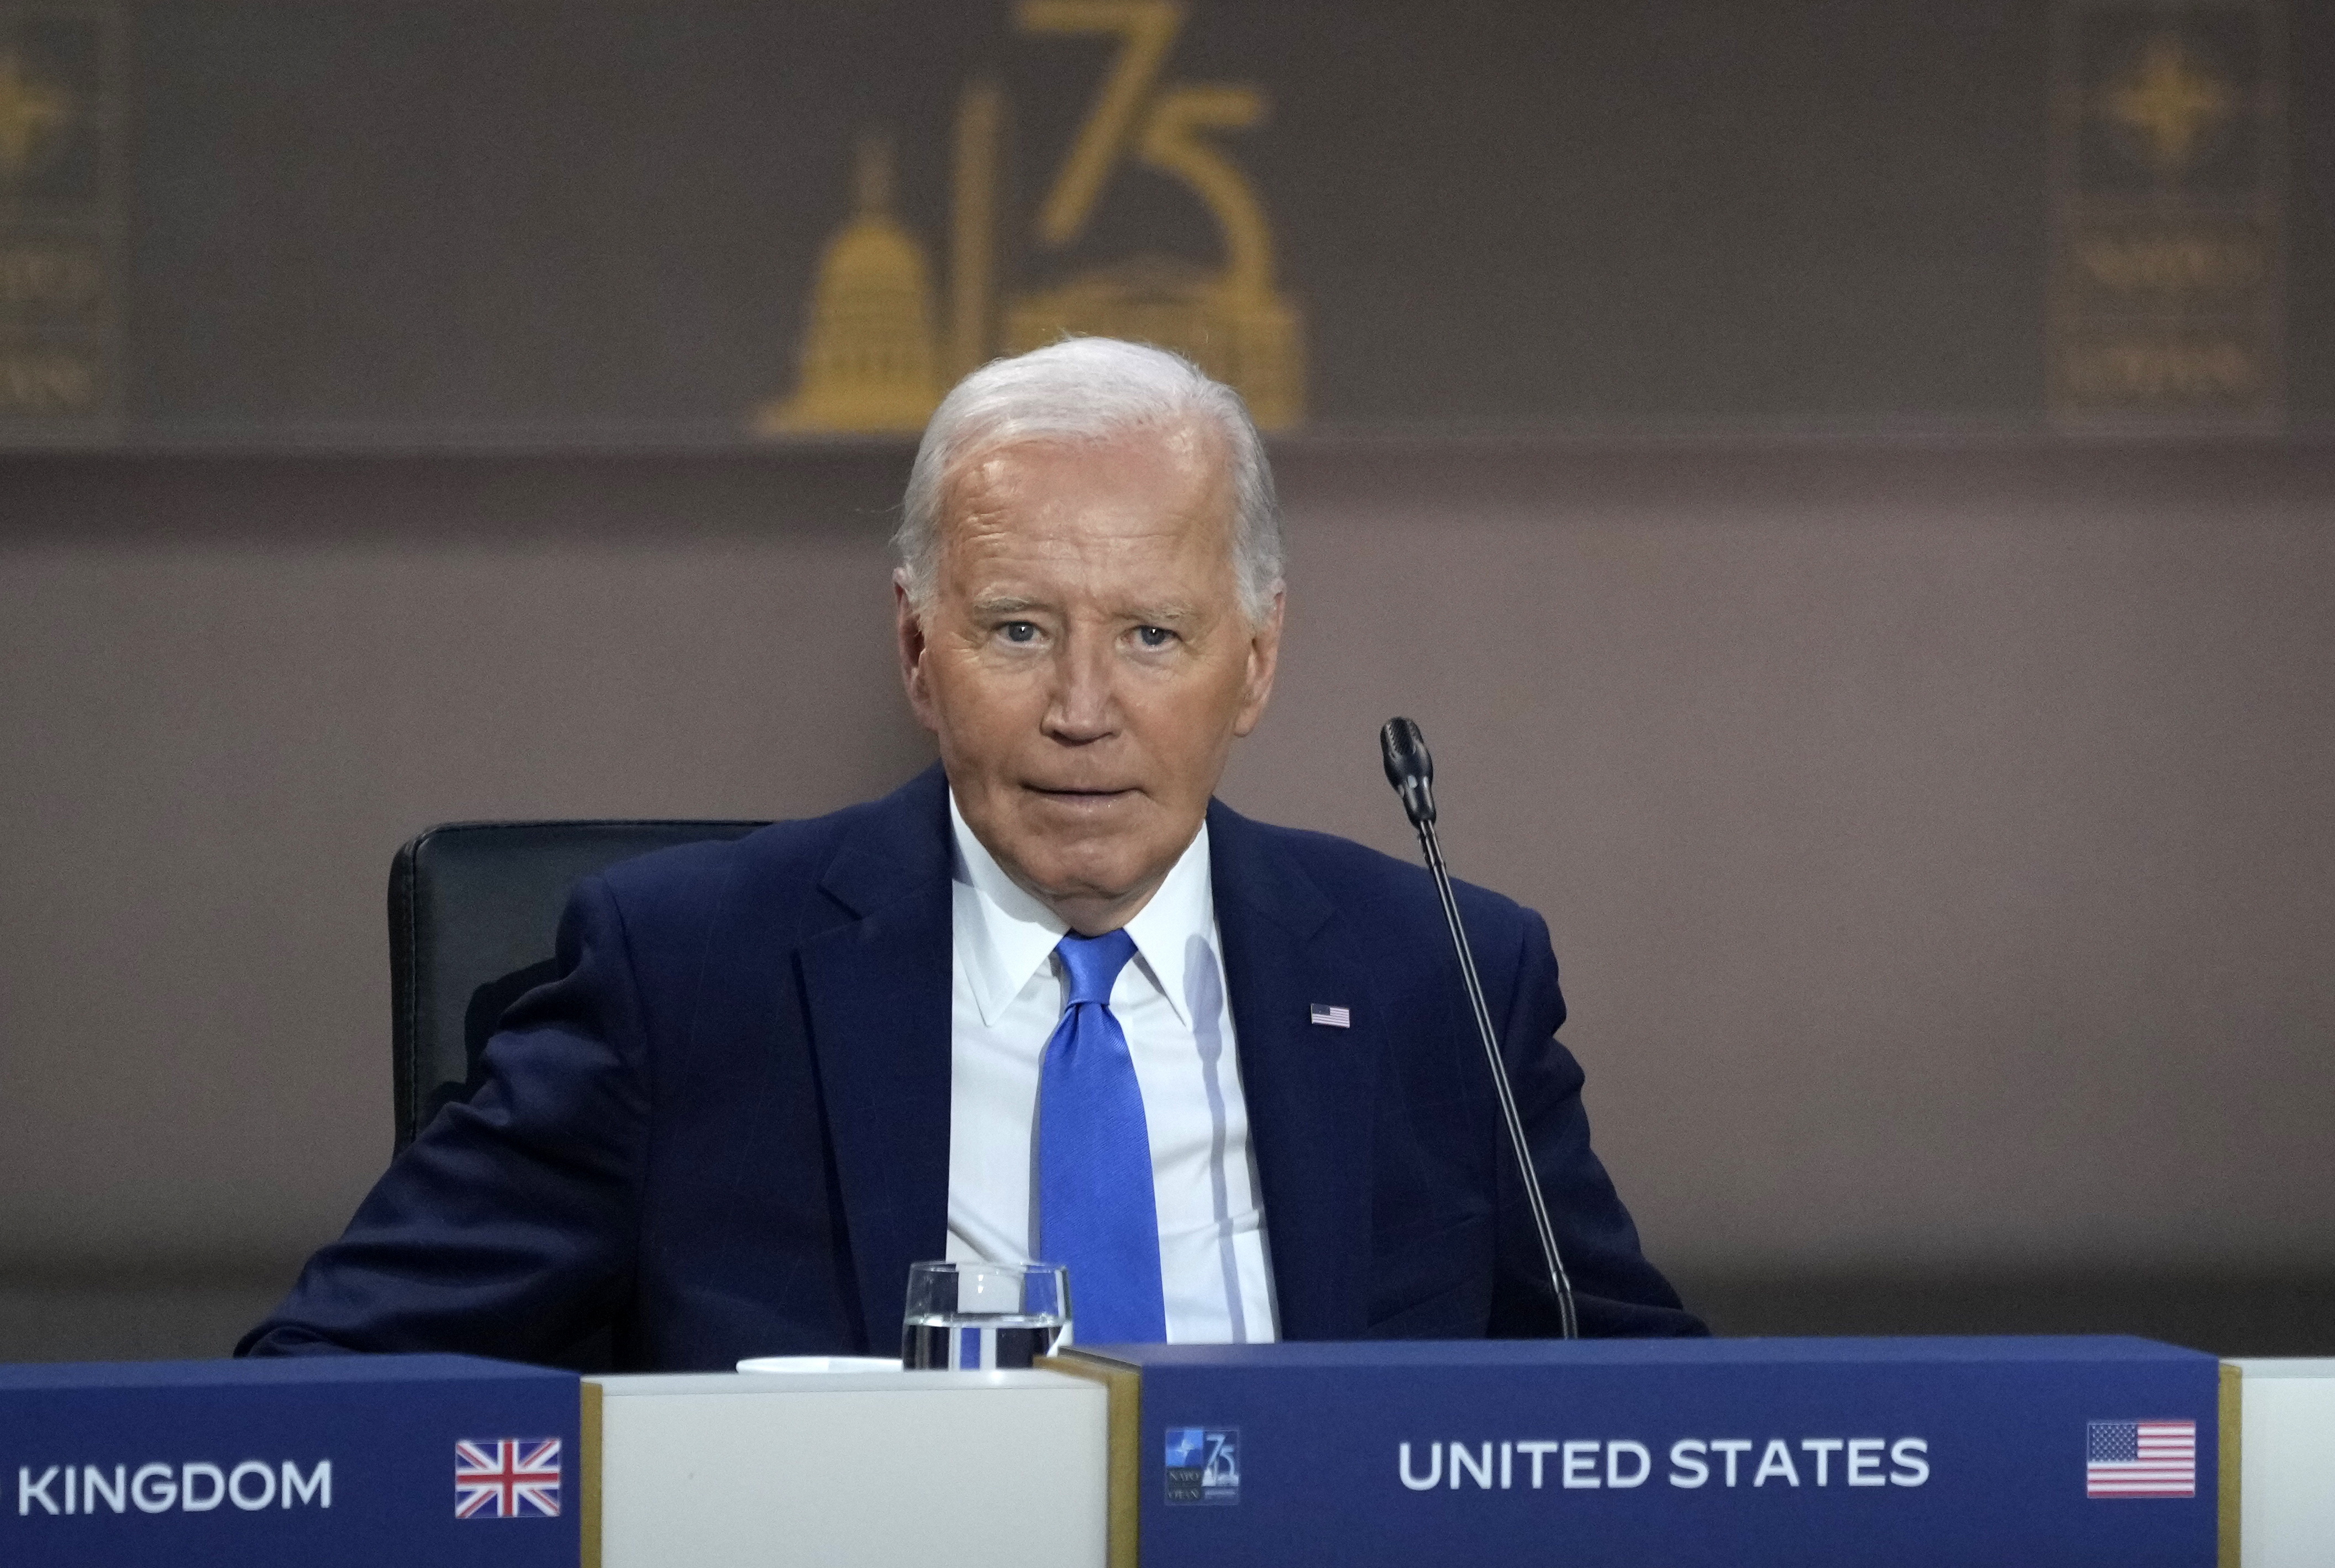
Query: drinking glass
[(979, 1317)]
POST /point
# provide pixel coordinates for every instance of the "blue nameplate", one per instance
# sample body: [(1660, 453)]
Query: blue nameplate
[(1740, 1452), (342, 1460)]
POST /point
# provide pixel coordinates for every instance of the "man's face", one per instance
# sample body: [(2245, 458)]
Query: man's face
[(1084, 661)]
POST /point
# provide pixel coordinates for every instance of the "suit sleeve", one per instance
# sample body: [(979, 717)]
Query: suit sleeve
[(508, 1228), (1616, 1291)]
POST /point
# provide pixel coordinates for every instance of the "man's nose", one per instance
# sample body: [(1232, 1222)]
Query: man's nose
[(1085, 707)]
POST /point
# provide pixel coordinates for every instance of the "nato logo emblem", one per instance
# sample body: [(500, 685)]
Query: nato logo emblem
[(1204, 1464)]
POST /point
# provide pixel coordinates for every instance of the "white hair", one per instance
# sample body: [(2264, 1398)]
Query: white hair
[(1092, 389)]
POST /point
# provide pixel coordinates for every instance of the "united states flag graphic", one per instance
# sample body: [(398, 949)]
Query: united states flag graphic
[(506, 1477), (2141, 1459)]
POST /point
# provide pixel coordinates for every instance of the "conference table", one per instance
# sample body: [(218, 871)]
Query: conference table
[(2053, 1450)]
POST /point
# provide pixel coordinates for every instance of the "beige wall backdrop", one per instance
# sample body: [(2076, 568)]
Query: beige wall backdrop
[(1936, 839)]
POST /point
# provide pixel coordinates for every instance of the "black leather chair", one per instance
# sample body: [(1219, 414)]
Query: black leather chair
[(473, 915)]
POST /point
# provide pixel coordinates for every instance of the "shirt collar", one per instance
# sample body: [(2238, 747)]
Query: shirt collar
[(1011, 936)]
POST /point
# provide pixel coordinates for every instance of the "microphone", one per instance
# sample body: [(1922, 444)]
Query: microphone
[(1411, 770)]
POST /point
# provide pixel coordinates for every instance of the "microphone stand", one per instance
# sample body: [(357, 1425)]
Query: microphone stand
[(1411, 770)]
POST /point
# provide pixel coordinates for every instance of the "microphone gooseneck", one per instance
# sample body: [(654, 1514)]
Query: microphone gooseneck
[(1411, 770)]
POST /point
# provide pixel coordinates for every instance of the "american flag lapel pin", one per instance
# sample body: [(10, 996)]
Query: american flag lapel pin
[(1330, 1017)]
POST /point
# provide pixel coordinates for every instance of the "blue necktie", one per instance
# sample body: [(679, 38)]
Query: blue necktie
[(1095, 1209)]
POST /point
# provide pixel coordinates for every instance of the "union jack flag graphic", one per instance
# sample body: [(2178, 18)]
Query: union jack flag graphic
[(504, 1478)]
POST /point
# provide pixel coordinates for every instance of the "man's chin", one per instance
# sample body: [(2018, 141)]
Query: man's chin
[(1068, 882)]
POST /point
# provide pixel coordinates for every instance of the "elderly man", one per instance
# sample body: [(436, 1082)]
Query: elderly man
[(1046, 1000)]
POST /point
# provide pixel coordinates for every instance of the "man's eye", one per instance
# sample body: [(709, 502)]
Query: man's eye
[(1019, 632), (1154, 637)]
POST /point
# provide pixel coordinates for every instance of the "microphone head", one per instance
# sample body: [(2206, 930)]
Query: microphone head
[(1410, 768)]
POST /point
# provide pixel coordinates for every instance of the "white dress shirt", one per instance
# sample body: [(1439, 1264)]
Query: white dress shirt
[(1170, 999)]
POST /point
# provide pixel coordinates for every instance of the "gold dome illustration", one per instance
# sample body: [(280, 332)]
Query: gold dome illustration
[(870, 355), (1230, 323)]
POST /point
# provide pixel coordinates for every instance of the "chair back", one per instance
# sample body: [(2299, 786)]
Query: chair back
[(473, 917)]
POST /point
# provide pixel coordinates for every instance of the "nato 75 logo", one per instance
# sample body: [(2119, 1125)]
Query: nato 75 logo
[(1204, 1464)]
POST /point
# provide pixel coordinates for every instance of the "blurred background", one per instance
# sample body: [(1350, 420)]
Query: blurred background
[(1849, 492)]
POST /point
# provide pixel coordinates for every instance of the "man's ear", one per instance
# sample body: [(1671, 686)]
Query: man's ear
[(1264, 663), (910, 627)]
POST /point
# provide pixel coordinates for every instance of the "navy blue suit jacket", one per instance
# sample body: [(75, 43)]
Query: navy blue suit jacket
[(723, 1130)]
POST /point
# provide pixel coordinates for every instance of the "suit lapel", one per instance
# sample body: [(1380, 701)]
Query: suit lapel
[(1310, 1090), (876, 990)]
